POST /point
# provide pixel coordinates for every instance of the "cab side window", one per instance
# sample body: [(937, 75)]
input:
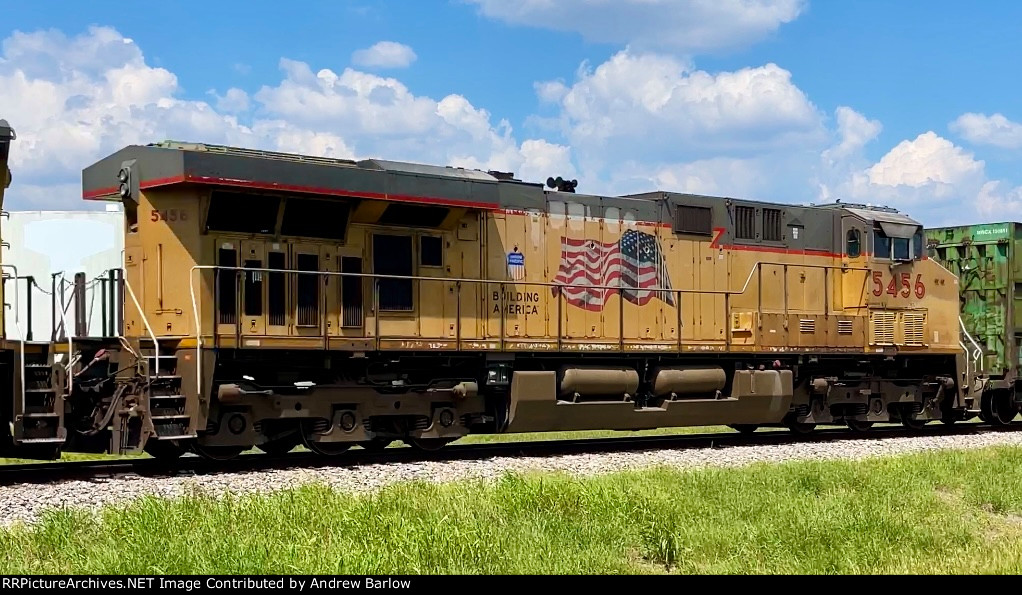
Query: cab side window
[(881, 245), (901, 249), (853, 244)]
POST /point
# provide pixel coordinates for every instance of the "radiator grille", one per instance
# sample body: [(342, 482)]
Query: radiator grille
[(772, 225), (745, 223), (914, 323), (351, 293), (844, 327), (883, 327), (807, 325), (308, 290)]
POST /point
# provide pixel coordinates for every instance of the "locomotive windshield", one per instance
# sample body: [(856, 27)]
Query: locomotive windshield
[(897, 243)]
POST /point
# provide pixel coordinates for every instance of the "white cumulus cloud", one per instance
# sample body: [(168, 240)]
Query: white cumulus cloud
[(995, 130), (384, 54), (928, 159), (657, 112), (996, 202), (380, 116), (855, 131), (234, 100), (638, 121), (672, 24), (933, 180), (74, 100), (655, 101)]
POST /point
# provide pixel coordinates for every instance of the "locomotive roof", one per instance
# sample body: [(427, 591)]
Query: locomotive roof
[(173, 162), (429, 170)]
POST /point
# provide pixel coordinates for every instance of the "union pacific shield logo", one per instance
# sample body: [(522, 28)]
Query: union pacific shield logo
[(632, 266), (516, 265)]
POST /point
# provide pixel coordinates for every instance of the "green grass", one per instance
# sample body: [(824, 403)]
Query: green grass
[(71, 456), (945, 512)]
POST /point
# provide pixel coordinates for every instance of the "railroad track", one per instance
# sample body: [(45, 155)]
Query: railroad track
[(52, 472)]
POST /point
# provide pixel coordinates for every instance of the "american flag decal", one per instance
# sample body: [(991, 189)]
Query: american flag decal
[(632, 266)]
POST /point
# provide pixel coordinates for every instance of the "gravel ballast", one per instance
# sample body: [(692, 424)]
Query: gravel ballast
[(24, 502)]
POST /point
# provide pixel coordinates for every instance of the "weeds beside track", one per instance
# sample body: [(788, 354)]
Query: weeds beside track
[(945, 512)]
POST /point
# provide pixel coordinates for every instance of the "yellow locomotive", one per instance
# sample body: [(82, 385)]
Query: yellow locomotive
[(271, 299)]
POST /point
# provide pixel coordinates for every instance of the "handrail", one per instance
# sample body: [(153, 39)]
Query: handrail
[(17, 326), (457, 280), (198, 330), (70, 339), (654, 289), (978, 352), (968, 368), (145, 321)]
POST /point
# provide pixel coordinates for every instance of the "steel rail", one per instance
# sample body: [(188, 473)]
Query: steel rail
[(52, 472)]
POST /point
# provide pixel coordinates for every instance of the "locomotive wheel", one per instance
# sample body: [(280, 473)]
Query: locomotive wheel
[(164, 450), (997, 408), (801, 428), (428, 444), (858, 426), (217, 453), (280, 446), (376, 444), (744, 428), (326, 449)]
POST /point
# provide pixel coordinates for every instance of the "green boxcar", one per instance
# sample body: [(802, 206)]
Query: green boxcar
[(988, 264)]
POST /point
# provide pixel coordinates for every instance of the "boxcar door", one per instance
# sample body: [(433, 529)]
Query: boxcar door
[(466, 263), (393, 255), (277, 302), (307, 289), (432, 288), (330, 299), (133, 259), (253, 300), (226, 287), (351, 292)]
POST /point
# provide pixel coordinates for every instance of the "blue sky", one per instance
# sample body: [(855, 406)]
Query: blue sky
[(910, 103)]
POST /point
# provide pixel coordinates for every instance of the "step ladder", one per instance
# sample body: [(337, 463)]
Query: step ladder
[(168, 407), (39, 403)]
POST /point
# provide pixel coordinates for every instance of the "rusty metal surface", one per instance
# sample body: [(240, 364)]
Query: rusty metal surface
[(984, 257)]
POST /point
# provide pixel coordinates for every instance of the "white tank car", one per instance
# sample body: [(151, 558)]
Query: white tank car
[(41, 243)]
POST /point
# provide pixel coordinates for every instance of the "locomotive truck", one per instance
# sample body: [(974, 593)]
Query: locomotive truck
[(271, 299)]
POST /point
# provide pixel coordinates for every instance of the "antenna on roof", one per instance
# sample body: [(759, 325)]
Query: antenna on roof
[(562, 185)]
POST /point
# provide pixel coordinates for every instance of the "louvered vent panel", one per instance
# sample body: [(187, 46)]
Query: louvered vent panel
[(745, 223), (844, 327), (772, 225), (914, 324), (883, 327), (807, 325)]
